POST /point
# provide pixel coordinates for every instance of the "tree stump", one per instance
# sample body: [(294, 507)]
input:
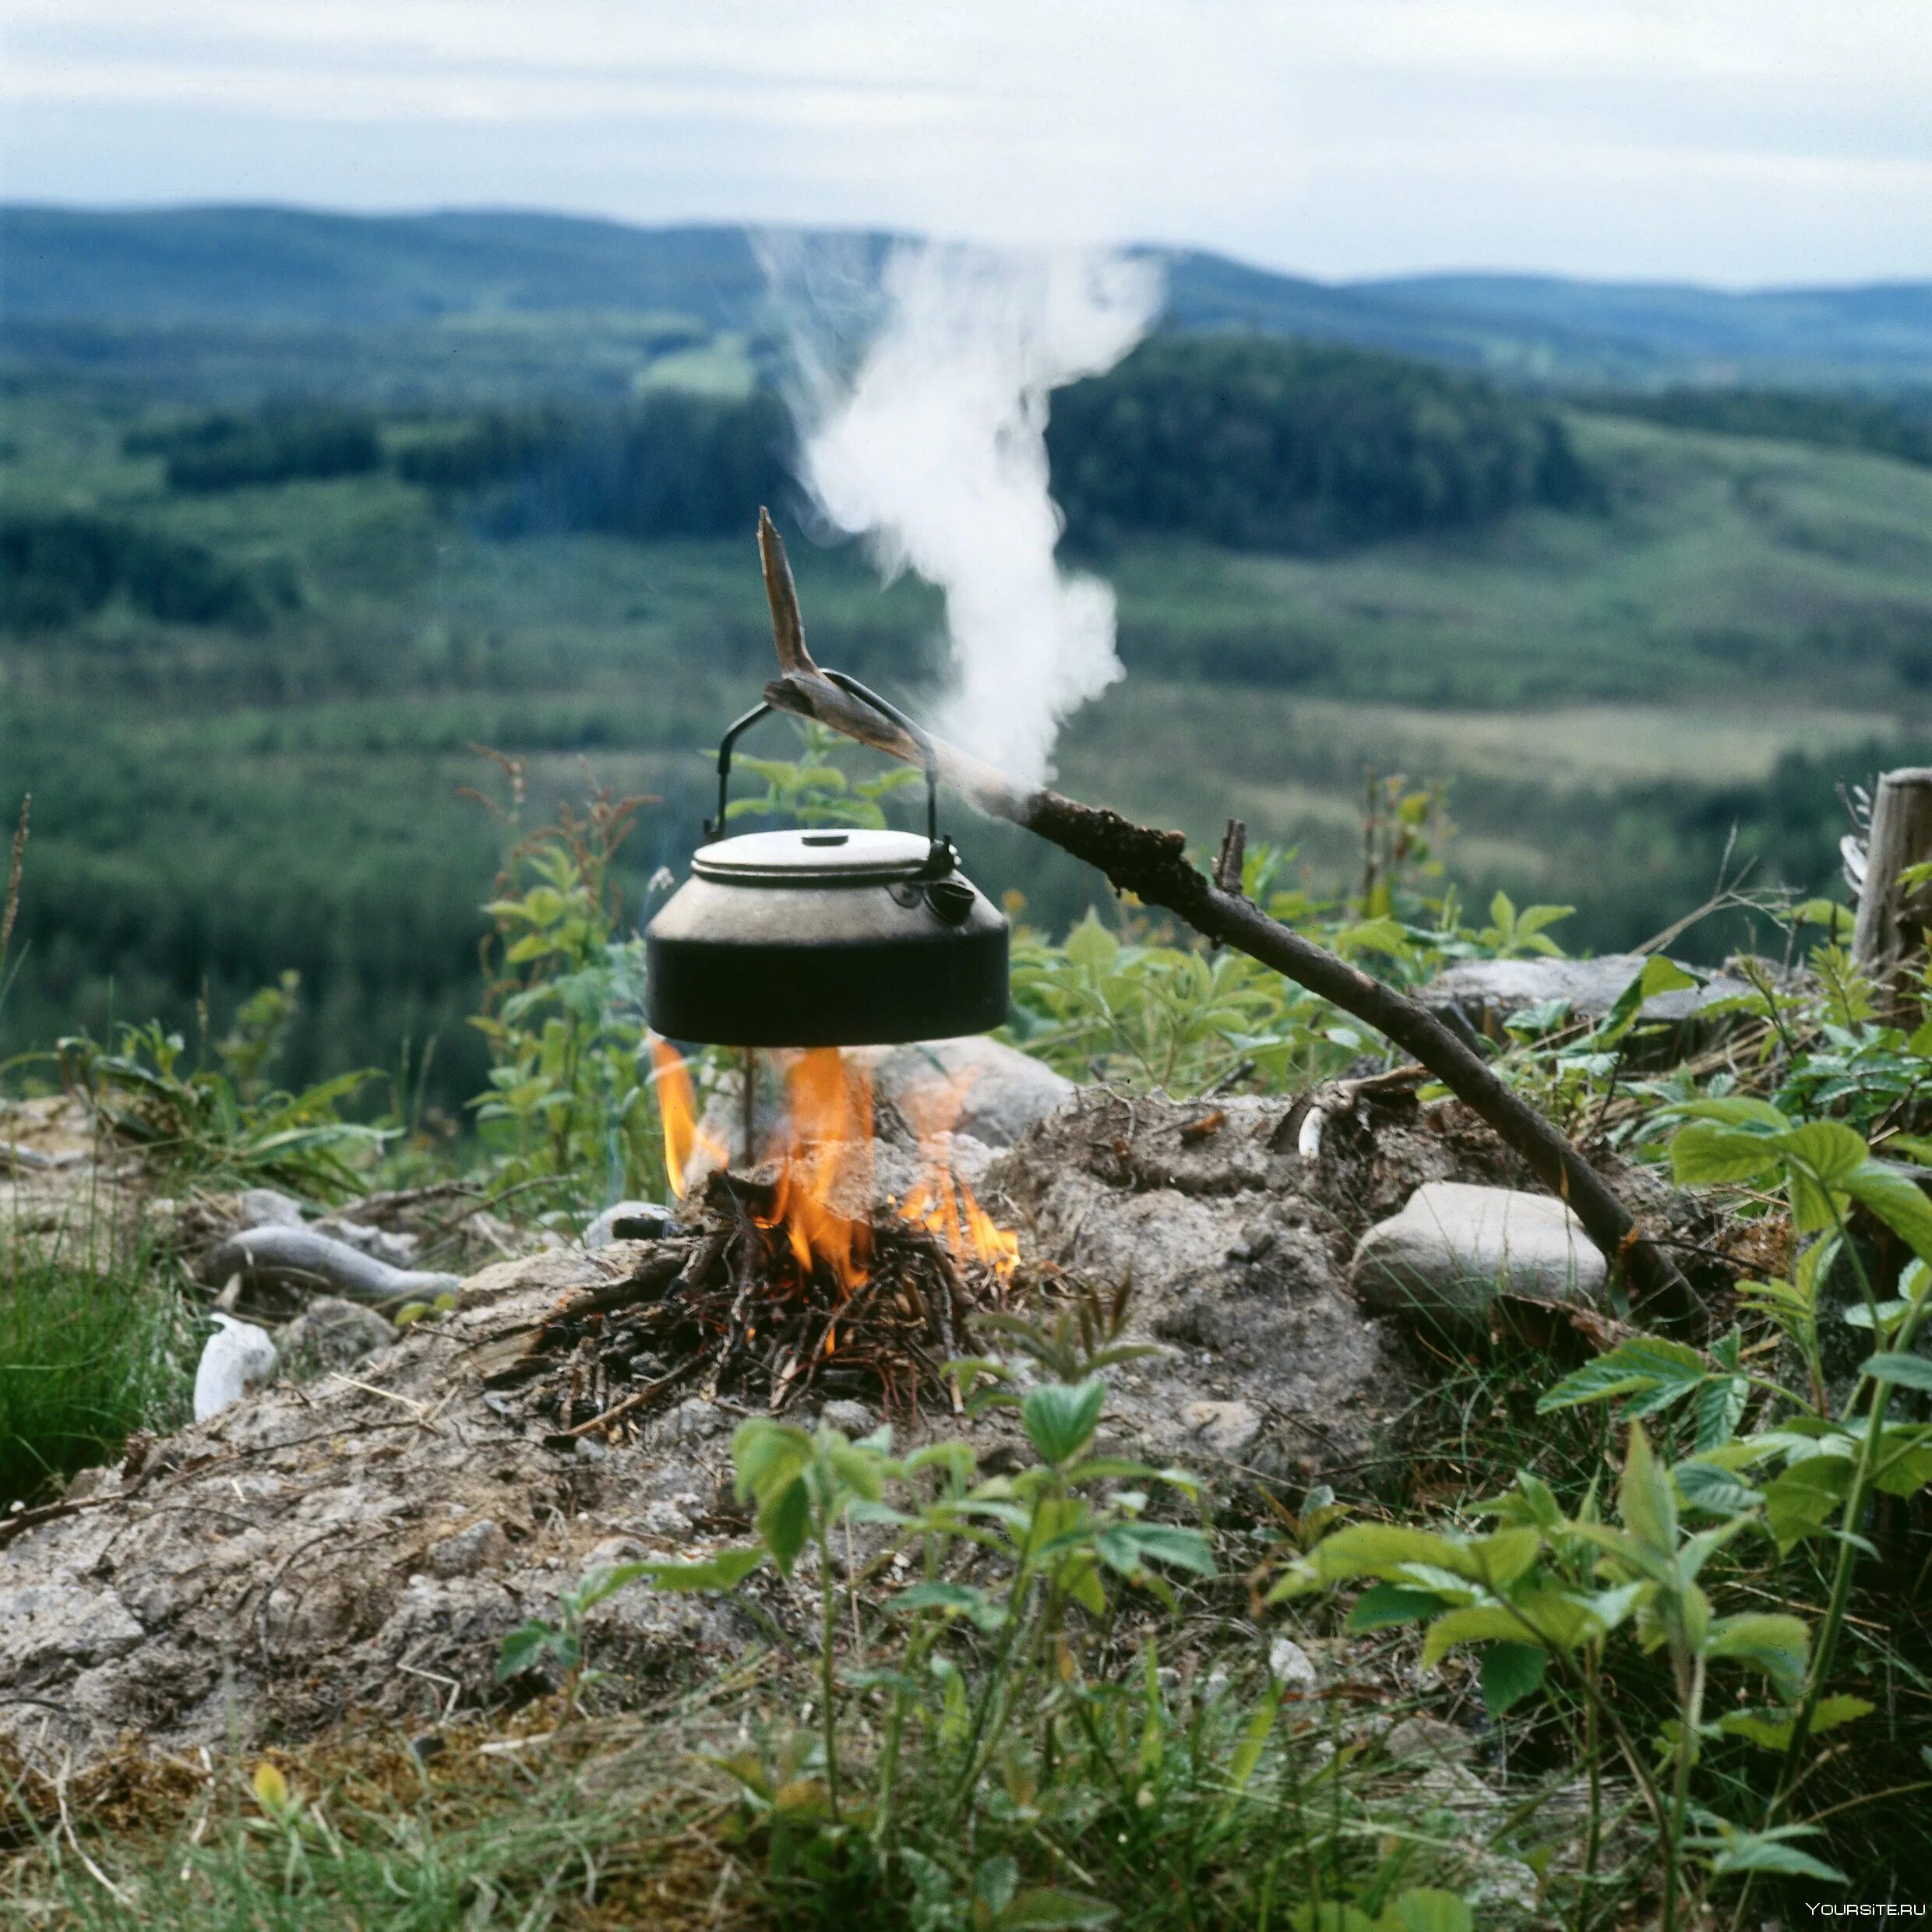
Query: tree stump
[(1892, 917)]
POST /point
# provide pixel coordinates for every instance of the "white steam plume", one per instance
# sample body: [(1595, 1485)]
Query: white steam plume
[(933, 450)]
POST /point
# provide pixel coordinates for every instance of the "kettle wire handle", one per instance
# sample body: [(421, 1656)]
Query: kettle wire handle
[(928, 752)]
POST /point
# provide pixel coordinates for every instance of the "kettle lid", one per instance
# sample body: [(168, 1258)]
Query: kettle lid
[(840, 855)]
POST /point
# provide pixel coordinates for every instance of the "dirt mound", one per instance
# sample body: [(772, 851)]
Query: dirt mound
[(362, 1543)]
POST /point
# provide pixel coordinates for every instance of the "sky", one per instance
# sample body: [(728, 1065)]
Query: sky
[(1735, 142)]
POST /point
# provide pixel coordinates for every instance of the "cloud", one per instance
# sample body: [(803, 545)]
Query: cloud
[(1342, 135)]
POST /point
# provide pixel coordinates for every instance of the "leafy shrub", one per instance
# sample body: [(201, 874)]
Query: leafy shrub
[(569, 1115), (214, 1124)]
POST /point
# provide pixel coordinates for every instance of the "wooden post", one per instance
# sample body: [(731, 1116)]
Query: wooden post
[(1891, 918)]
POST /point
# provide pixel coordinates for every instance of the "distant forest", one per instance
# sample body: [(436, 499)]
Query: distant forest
[(1247, 443)]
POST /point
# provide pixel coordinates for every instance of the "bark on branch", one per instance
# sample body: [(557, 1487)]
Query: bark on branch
[(1154, 866)]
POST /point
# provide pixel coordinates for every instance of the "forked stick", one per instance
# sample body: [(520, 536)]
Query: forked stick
[(1154, 866)]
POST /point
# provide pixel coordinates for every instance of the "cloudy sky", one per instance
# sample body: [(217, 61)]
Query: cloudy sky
[(1732, 141)]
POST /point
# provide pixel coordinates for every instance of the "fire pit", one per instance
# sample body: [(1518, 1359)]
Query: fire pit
[(798, 1279)]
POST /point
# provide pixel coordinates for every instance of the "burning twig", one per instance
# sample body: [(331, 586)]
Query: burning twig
[(1154, 866)]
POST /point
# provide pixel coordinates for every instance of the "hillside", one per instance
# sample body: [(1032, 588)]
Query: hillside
[(229, 271), (246, 755)]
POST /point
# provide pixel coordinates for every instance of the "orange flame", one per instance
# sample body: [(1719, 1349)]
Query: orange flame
[(831, 1120), (826, 1168), (684, 1136), (940, 1201)]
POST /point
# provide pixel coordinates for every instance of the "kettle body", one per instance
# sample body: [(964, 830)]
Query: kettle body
[(837, 937)]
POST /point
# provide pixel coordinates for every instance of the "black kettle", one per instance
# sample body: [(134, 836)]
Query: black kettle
[(830, 937)]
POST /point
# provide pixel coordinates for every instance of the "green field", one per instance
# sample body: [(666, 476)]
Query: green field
[(1735, 625)]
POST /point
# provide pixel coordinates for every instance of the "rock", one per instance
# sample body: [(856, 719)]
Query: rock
[(265, 1207), (982, 1093), (49, 1628), (482, 1546), (238, 1356), (1289, 1664), (332, 1334), (628, 1221), (850, 1419), (1235, 1251), (976, 1086), (1453, 1246), (1428, 1738), (1225, 1428), (1485, 991)]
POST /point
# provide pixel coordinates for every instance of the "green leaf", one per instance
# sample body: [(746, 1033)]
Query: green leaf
[(997, 1881), (1060, 1418), (1766, 1852), (1511, 1673), (1714, 1491), (1654, 1371), (961, 1599), (1042, 1905), (1254, 1737), (1383, 1605), (1424, 1909), (1777, 1644), (1128, 1547), (524, 1648), (784, 1521), (1799, 1501), (1706, 1152), (1770, 1730), (1898, 1202), (1645, 1498), (1905, 1371), (724, 1570)]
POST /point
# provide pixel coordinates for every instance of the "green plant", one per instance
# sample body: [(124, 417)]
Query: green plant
[(989, 1747), (198, 1125), (1552, 1586), (813, 789), (569, 1113)]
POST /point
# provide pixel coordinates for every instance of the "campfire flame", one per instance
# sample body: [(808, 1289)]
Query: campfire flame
[(684, 1135), (826, 1167), (831, 1112), (940, 1201)]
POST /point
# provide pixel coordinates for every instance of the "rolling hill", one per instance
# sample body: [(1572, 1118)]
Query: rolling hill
[(258, 270)]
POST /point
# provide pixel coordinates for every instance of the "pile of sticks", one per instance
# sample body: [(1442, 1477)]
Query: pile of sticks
[(726, 1309)]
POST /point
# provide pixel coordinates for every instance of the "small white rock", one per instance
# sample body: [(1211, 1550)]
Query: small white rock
[(238, 1357), (1289, 1664)]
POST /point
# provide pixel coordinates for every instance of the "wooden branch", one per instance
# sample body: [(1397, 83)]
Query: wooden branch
[(1154, 866), (1889, 918)]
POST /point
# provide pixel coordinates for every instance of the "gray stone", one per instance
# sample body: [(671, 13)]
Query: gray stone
[(1487, 991), (1429, 1738), (1289, 1664), (975, 1086), (44, 1626), (1226, 1429), (332, 1334), (482, 1546), (849, 1419), (983, 1094), (237, 1357), (628, 1221), (1454, 1246), (264, 1207)]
